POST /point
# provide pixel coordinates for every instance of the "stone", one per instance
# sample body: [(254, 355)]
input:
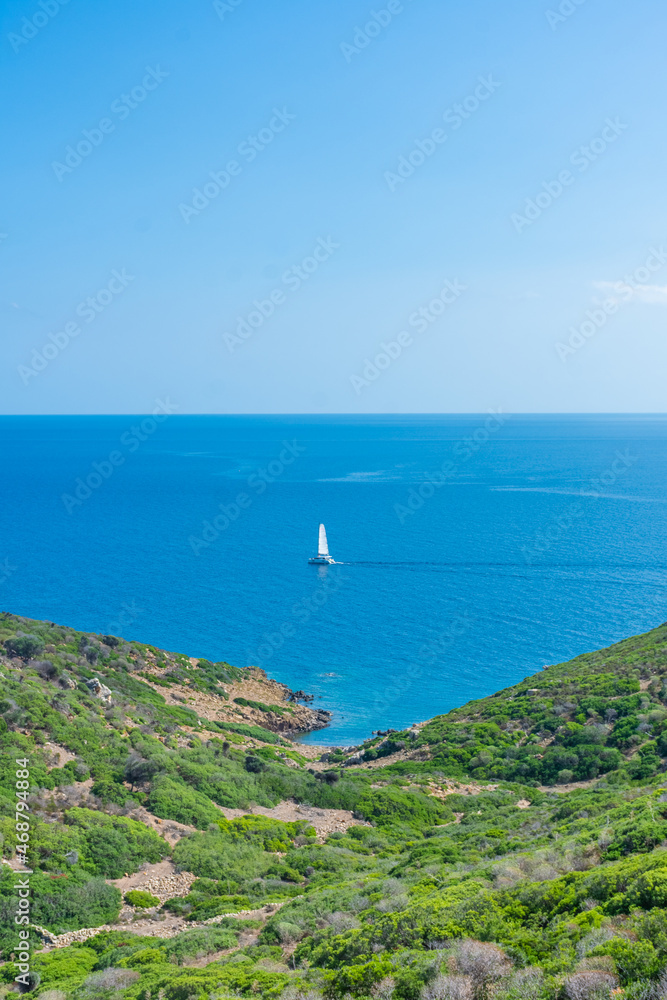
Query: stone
[(100, 690)]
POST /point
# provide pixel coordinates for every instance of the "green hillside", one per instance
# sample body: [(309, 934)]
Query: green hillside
[(514, 847), (601, 713)]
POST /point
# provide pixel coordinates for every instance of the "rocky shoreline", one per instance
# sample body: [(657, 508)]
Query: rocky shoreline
[(252, 698)]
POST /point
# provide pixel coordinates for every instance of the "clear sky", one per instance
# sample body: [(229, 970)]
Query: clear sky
[(365, 155)]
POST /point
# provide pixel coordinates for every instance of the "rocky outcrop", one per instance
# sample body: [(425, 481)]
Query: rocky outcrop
[(253, 698), (100, 690)]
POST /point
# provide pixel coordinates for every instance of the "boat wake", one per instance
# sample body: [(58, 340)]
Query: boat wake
[(413, 563)]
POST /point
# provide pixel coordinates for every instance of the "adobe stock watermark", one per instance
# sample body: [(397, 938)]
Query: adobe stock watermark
[(88, 310), (632, 287), (30, 27), (455, 116), (6, 570), (22, 887), (249, 150), (127, 616), (564, 11), (224, 7), (293, 278), (581, 158), (130, 440), (428, 654), (378, 21), (463, 451), (420, 320), (258, 482), (122, 108), (302, 612), (545, 539)]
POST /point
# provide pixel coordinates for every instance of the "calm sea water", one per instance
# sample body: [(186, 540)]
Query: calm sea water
[(543, 538)]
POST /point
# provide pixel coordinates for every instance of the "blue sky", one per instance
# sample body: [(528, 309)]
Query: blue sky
[(281, 291)]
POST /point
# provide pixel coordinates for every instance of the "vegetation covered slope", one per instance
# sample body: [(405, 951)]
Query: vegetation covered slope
[(601, 713), (474, 867)]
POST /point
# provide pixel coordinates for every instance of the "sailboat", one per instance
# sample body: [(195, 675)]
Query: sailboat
[(322, 558)]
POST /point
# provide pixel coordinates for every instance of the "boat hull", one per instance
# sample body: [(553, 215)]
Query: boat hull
[(321, 561)]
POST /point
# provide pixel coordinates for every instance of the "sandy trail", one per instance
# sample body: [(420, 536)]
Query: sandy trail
[(325, 821)]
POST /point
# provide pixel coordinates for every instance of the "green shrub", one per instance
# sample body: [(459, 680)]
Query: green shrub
[(199, 942), (270, 834), (140, 898), (212, 855), (60, 904), (633, 959), (214, 906), (68, 963), (254, 765), (111, 791), (391, 806), (650, 890), (170, 799), (145, 956), (24, 646), (113, 845), (260, 706)]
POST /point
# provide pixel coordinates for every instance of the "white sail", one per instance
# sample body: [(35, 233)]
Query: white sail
[(322, 548)]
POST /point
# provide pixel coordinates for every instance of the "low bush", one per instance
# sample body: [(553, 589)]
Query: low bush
[(141, 899)]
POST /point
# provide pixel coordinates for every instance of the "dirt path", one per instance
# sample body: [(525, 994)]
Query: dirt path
[(58, 756), (456, 788), (170, 829), (325, 821), (165, 881)]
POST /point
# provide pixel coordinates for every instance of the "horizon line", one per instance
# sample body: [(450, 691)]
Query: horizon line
[(369, 416)]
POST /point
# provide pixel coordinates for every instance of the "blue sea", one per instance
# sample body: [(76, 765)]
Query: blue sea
[(473, 549)]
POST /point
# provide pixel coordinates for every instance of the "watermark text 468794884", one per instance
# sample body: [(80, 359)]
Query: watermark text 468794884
[(22, 884)]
